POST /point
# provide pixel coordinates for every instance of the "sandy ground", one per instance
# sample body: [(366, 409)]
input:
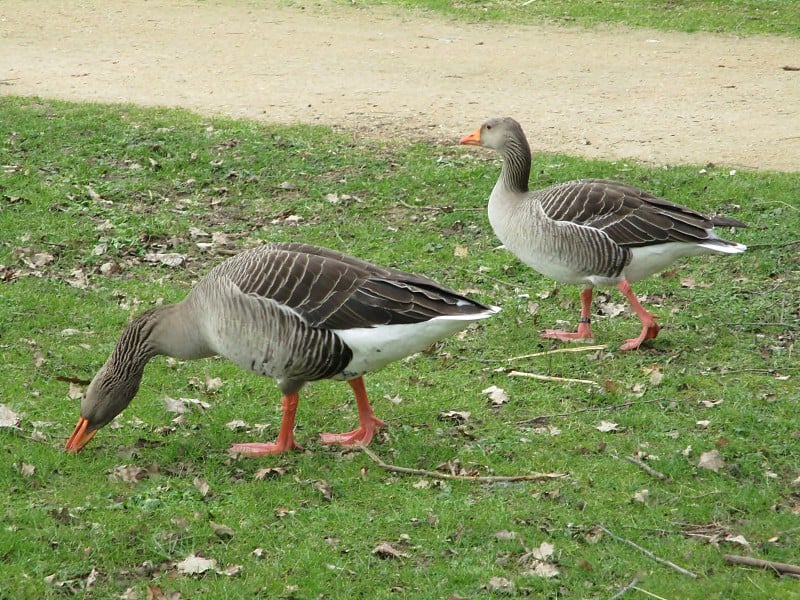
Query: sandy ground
[(650, 96)]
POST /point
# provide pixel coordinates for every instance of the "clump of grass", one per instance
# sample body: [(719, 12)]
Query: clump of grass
[(719, 378)]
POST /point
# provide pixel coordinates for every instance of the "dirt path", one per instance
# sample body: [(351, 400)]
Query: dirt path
[(655, 97)]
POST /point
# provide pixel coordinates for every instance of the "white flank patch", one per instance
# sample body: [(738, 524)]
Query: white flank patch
[(375, 347)]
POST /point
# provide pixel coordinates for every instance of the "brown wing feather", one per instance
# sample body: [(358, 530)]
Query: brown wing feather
[(628, 215), (336, 291)]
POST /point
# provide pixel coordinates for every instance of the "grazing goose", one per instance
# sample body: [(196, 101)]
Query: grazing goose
[(590, 231), (294, 312)]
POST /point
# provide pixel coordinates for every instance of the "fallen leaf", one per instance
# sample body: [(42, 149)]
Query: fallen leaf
[(386, 550), (237, 425), (232, 570), (703, 424), (128, 473), (497, 396), (642, 496), (542, 569), (455, 415), (220, 530), (543, 552), (461, 252), (8, 418), (711, 460), (25, 469), (75, 391), (202, 486), (710, 403), (607, 426), (325, 488), (78, 279), (506, 535), (500, 585), (195, 565), (169, 259), (269, 472)]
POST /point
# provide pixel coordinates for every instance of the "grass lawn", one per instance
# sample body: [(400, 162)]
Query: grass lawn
[(90, 196), (740, 17)]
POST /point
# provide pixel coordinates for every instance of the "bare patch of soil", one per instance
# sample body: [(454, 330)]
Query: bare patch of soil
[(649, 96)]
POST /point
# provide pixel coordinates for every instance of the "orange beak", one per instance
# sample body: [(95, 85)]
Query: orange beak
[(79, 437), (473, 139)]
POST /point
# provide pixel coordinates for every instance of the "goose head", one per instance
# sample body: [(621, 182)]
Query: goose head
[(497, 134), (106, 397)]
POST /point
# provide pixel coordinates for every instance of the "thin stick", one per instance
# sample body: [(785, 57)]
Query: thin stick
[(626, 589), (647, 468), (782, 568), (588, 409), (557, 351), (649, 554), (481, 479), (651, 594), (552, 378)]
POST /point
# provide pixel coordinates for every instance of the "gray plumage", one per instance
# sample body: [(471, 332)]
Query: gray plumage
[(591, 231), (293, 312)]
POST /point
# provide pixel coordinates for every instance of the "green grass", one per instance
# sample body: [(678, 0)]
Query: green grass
[(69, 171), (740, 17)]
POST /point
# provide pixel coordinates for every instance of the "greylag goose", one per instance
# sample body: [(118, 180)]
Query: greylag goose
[(293, 312), (590, 231)]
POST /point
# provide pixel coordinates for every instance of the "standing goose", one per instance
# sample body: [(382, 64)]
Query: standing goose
[(590, 231), (294, 312)]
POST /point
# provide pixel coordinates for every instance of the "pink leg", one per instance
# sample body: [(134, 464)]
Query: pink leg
[(584, 328), (285, 439), (367, 420), (649, 326)]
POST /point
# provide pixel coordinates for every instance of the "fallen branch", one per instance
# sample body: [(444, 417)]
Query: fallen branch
[(626, 589), (552, 378), (648, 554), (588, 409), (647, 468), (779, 567), (481, 479), (557, 351)]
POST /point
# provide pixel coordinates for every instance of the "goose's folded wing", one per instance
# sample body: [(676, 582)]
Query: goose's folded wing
[(628, 215)]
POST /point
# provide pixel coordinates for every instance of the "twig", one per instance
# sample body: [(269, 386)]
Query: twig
[(779, 567), (552, 378), (556, 351), (626, 589), (651, 594), (648, 554), (481, 479), (647, 468), (588, 409)]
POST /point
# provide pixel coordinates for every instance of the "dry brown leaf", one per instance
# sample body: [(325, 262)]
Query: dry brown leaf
[(455, 415), (237, 425), (169, 259), (25, 469), (269, 472), (386, 550), (711, 460), (461, 252), (128, 473), (195, 565), (497, 396), (325, 489), (202, 486), (500, 585), (8, 418), (75, 391), (78, 279), (607, 426), (642, 496), (232, 570), (221, 530)]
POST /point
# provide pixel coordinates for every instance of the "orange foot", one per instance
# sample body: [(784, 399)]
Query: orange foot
[(358, 437), (584, 333), (649, 331), (259, 449)]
